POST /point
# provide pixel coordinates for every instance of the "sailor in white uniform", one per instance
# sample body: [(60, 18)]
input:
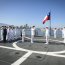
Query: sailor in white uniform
[(32, 33), (23, 34), (47, 35), (18, 33), (55, 30), (15, 33), (9, 34), (2, 33), (64, 34)]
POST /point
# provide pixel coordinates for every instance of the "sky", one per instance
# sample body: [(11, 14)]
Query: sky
[(32, 12)]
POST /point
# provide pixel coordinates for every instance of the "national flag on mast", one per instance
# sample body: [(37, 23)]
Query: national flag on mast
[(47, 17)]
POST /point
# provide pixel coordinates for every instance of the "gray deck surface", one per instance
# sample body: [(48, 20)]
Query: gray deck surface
[(9, 56)]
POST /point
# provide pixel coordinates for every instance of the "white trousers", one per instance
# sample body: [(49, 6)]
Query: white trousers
[(32, 38), (62, 35), (47, 39), (23, 36), (64, 40), (54, 35), (1, 37)]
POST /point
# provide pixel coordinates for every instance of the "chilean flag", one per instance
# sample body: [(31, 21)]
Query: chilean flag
[(47, 17)]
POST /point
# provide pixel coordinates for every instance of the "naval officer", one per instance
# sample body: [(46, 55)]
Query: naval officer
[(1, 33), (23, 34), (4, 34), (47, 35), (64, 34), (55, 30), (32, 33)]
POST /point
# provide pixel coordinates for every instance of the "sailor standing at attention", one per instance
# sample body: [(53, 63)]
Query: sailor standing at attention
[(47, 35), (55, 30), (1, 33), (8, 34), (64, 34), (32, 33), (4, 33), (23, 34), (15, 33)]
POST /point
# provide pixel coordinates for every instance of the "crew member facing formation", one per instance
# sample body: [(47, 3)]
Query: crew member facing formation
[(23, 34), (47, 35), (55, 30), (64, 34), (32, 33)]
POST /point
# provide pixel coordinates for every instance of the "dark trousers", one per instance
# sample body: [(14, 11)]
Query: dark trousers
[(4, 38)]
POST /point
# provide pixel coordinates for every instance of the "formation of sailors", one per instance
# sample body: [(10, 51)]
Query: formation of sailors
[(10, 33), (32, 33), (55, 35), (47, 34), (13, 33)]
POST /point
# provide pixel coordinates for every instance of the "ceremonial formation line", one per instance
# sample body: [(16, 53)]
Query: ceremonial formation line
[(13, 33)]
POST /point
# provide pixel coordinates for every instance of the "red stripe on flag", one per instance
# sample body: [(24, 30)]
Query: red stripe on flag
[(47, 17)]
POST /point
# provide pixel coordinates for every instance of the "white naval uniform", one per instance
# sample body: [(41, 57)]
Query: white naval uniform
[(15, 33), (32, 34), (64, 35), (1, 38), (23, 34), (1, 34), (18, 33), (7, 34), (55, 33), (10, 35), (47, 36)]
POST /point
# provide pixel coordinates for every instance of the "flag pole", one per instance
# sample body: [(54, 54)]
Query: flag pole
[(50, 23)]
